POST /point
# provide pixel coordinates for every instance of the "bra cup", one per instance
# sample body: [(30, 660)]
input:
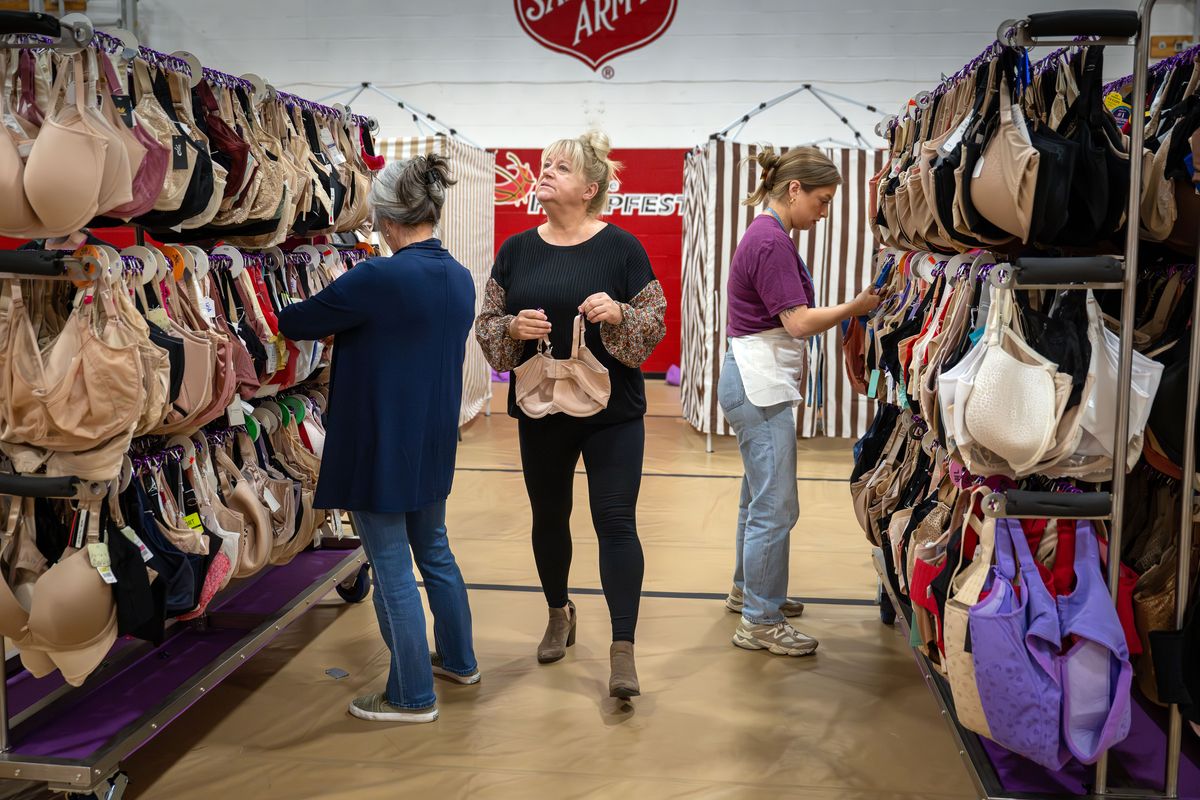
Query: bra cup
[(17, 217), (72, 604), (116, 183), (255, 546), (1012, 408), (1004, 191), (64, 174), (83, 389)]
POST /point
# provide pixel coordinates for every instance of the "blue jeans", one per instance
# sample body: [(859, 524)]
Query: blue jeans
[(769, 506), (387, 539)]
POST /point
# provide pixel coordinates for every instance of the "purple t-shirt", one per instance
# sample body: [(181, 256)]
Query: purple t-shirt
[(766, 278)]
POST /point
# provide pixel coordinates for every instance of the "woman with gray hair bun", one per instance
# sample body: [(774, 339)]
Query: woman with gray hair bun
[(401, 326)]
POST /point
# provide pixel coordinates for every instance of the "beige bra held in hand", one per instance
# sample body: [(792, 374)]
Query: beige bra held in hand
[(578, 386)]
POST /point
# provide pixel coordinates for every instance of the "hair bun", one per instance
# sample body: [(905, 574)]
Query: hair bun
[(599, 142), (767, 158)]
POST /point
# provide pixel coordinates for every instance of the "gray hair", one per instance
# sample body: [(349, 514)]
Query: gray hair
[(411, 192)]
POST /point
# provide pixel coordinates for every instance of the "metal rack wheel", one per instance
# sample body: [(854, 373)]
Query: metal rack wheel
[(112, 789), (356, 588)]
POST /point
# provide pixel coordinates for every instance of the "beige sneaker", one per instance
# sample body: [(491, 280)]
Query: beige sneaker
[(781, 639), (737, 600), (376, 708)]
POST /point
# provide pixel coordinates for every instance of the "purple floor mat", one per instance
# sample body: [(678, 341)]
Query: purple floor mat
[(82, 724)]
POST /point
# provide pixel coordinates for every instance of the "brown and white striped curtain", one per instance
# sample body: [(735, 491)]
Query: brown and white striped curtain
[(717, 177), (467, 230)]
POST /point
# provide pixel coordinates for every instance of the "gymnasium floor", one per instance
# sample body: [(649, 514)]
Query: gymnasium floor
[(854, 721)]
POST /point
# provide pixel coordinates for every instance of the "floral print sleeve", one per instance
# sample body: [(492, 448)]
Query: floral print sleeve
[(491, 331), (642, 328)]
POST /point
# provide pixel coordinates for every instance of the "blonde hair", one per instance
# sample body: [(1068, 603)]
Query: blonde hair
[(808, 165), (588, 155)]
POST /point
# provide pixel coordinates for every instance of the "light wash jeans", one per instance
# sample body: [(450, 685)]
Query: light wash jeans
[(769, 505), (387, 540)]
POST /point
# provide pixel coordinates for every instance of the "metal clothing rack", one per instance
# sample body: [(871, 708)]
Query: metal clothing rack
[(1064, 29), (140, 688), (237, 624)]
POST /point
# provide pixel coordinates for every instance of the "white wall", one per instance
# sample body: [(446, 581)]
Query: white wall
[(469, 62)]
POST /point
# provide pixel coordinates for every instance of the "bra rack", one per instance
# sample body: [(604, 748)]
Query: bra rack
[(140, 688), (1064, 29)]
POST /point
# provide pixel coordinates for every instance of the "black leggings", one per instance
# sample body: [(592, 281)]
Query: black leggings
[(612, 457)]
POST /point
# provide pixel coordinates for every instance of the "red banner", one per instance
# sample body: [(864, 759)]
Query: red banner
[(647, 201)]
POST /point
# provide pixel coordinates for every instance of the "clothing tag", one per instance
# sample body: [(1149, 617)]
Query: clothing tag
[(179, 152), (124, 105), (978, 168), (873, 386), (193, 521), (902, 394), (159, 317), (337, 524), (209, 308), (138, 543), (271, 501), (335, 154), (272, 356), (98, 555), (80, 534), (951, 144), (236, 416)]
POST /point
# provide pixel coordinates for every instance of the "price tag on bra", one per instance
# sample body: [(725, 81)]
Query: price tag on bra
[(209, 308), (271, 501), (193, 522), (951, 144), (124, 104), (978, 168), (98, 555), (331, 149), (873, 386), (138, 543), (159, 317)]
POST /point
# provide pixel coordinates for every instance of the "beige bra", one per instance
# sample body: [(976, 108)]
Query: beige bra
[(1004, 190), (578, 386), (65, 174)]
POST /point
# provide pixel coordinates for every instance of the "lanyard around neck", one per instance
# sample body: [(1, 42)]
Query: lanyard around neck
[(778, 218)]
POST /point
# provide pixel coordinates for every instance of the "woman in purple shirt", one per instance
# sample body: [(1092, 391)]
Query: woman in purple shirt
[(771, 312)]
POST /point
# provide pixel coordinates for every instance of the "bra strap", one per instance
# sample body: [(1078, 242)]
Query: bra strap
[(577, 334)]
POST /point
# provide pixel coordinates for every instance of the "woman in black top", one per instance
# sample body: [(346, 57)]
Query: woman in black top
[(543, 278)]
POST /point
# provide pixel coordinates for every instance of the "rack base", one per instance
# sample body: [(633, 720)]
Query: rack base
[(73, 739)]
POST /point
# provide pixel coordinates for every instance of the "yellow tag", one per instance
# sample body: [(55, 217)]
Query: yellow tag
[(193, 521), (1117, 106)]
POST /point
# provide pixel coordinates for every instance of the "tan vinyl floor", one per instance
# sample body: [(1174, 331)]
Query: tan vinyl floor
[(855, 721)]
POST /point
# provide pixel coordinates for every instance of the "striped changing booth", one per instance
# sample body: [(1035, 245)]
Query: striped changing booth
[(717, 176)]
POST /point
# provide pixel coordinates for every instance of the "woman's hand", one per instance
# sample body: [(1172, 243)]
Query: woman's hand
[(528, 325), (867, 301), (602, 308)]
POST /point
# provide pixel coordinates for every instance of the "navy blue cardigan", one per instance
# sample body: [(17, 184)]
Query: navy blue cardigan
[(401, 327)]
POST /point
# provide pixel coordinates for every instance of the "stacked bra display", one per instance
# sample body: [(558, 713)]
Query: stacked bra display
[(1016, 157), (986, 388), (85, 141), (164, 377)]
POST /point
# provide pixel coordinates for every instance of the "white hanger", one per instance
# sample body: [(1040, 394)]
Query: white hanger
[(239, 262), (200, 259)]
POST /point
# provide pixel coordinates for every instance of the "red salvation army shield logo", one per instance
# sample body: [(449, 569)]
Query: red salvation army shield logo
[(595, 31)]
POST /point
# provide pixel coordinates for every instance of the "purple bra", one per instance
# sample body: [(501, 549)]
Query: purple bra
[(1015, 641), (1096, 673)]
